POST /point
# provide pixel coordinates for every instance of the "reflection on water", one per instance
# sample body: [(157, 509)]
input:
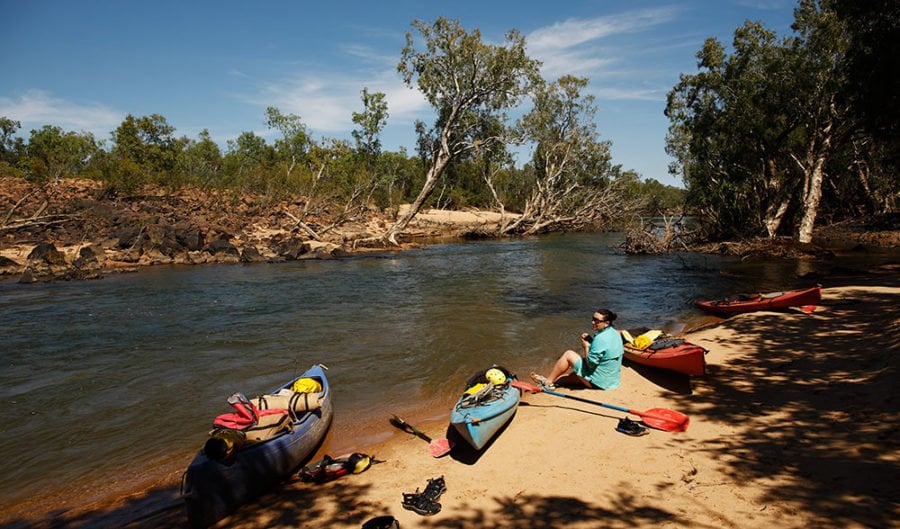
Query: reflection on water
[(123, 376)]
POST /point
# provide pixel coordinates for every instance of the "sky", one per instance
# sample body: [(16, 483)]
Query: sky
[(217, 65)]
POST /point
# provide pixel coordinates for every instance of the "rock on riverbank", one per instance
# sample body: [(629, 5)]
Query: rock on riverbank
[(76, 229)]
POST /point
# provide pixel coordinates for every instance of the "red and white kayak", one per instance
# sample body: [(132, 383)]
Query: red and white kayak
[(686, 358), (772, 301)]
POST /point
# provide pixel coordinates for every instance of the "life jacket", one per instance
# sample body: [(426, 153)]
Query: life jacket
[(257, 425)]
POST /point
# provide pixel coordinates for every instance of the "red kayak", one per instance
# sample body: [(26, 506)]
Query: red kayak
[(686, 358), (773, 301)]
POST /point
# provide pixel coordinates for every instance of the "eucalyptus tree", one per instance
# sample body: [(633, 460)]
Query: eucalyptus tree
[(371, 121), (248, 159), (872, 61), (572, 188), (149, 143), (825, 117), (52, 153), (470, 84), (201, 160), (752, 132), (294, 142), (11, 146), (729, 126)]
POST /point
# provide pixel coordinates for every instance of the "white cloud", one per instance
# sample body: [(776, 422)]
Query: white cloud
[(767, 5), (371, 55), (630, 94), (36, 108), (573, 32), (325, 103), (586, 47)]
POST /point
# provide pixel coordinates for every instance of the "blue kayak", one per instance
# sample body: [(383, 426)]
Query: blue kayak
[(213, 489), (484, 409)]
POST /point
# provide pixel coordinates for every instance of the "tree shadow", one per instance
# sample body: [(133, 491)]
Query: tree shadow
[(669, 380), (823, 421), (305, 505)]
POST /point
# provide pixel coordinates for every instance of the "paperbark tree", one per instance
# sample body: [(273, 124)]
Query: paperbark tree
[(731, 125), (753, 132), (572, 188), (294, 141), (821, 47), (471, 85)]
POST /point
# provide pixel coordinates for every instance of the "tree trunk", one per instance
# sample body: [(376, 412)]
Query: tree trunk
[(431, 179), (773, 218), (811, 200), (780, 199), (815, 176)]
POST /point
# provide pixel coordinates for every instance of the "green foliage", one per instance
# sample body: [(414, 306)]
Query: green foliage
[(149, 143), (200, 162), (120, 176), (658, 198), (873, 29), (11, 147), (371, 121), (247, 160), (765, 137), (728, 132), (294, 142), (53, 153)]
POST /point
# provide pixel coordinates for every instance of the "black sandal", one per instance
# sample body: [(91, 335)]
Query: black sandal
[(382, 522), (435, 488), (419, 504), (629, 427)]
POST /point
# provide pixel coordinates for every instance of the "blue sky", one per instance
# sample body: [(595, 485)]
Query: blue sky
[(217, 65)]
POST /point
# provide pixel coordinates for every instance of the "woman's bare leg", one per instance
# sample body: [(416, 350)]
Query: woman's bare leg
[(563, 365)]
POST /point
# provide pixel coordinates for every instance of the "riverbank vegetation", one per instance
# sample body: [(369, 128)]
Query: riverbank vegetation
[(782, 133), (770, 138)]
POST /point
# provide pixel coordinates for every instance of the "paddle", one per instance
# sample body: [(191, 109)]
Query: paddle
[(437, 447), (659, 418)]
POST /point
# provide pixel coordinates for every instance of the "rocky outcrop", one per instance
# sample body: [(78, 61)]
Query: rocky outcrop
[(93, 230), (9, 266), (159, 245)]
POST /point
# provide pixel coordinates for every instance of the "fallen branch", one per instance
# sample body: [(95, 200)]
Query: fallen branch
[(16, 206), (49, 220), (304, 226)]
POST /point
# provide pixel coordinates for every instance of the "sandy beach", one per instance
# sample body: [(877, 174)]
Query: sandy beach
[(794, 426)]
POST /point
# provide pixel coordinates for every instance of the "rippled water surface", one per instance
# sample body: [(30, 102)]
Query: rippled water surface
[(111, 383)]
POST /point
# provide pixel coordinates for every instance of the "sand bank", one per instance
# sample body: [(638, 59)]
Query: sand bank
[(794, 426)]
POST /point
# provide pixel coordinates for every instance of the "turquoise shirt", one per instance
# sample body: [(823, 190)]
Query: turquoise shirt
[(604, 359)]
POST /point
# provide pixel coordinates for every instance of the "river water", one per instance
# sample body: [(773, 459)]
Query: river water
[(112, 384)]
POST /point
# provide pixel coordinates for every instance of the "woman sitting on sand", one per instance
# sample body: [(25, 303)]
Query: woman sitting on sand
[(601, 365)]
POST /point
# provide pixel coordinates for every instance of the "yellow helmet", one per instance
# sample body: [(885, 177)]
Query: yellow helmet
[(495, 376), (307, 385)]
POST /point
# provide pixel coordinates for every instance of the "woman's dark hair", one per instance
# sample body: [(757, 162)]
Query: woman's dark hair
[(607, 314)]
